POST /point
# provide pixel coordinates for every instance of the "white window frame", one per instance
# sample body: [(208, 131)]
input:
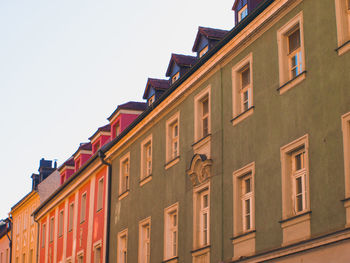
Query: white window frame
[(244, 9), (146, 157), (100, 194), (124, 175), (96, 258), (203, 51), (286, 80), (122, 248), (172, 139), (145, 241), (171, 232), (199, 117), (83, 207), (342, 9), (200, 227)]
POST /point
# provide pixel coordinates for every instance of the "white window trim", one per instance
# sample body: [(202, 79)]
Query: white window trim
[(175, 77), (203, 51), (121, 235), (197, 113), (123, 192), (238, 221), (168, 243), (238, 114), (145, 175), (285, 81), (197, 236), (170, 158), (97, 245), (142, 224), (342, 12), (245, 7), (345, 119)]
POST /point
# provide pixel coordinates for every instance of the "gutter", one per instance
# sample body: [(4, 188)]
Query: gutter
[(10, 239), (101, 155), (37, 239)]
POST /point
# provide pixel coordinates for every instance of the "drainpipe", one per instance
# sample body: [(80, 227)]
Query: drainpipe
[(37, 239), (9, 226), (101, 155)]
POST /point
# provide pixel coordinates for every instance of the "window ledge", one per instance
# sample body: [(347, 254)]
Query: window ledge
[(243, 236), (342, 49), (171, 260), (172, 162), (291, 83), (98, 210), (145, 180), (201, 141), (297, 218), (240, 117), (123, 195), (201, 249)]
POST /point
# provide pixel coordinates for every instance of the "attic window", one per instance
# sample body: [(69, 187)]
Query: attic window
[(151, 100), (175, 77), (203, 51), (242, 13)]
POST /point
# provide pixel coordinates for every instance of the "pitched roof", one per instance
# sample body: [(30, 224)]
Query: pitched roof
[(69, 162), (182, 61), (84, 146), (235, 4), (131, 105), (157, 84), (106, 128), (210, 33)]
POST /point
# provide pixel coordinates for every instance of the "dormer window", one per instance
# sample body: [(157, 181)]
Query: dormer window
[(203, 51), (77, 165), (117, 129), (96, 146), (175, 77), (151, 100), (242, 13)]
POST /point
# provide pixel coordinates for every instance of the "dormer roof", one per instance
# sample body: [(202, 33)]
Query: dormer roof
[(157, 84), (181, 61), (85, 146), (235, 4), (106, 128), (131, 105), (67, 163), (209, 33)]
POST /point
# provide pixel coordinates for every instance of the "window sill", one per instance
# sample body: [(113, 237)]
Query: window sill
[(145, 180), (240, 117), (201, 249), (292, 83), (171, 260), (342, 49), (98, 210), (172, 162), (201, 141), (299, 217), (244, 236), (296, 228), (123, 195)]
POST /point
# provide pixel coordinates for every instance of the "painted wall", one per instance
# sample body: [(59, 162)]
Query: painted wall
[(4, 249)]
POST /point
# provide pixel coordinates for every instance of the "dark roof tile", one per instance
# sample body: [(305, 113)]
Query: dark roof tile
[(210, 33), (157, 84), (106, 128), (182, 61), (131, 105)]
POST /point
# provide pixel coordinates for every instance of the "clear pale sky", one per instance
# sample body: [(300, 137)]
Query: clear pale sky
[(65, 66)]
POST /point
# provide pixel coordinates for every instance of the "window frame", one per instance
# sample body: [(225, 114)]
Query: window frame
[(43, 235), (240, 12), (203, 51), (60, 222), (71, 217), (51, 229), (142, 241), (198, 114), (100, 194), (175, 77), (342, 11), (83, 207), (286, 80), (124, 191), (169, 231), (121, 236), (171, 158), (146, 160)]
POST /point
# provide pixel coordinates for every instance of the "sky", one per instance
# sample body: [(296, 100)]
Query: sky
[(66, 65)]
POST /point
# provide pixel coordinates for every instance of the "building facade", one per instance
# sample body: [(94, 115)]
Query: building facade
[(5, 239)]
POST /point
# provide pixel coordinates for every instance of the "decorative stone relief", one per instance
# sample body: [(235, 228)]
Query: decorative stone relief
[(200, 169)]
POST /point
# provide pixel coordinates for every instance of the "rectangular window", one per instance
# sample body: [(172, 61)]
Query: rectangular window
[(242, 13), (202, 114), (201, 217), (171, 232), (203, 51), (299, 180), (81, 258), (145, 241), (291, 53), (242, 90), (151, 100), (83, 208), (25, 220), (172, 138), (123, 247), (60, 224), (146, 157), (124, 179), (100, 194), (52, 222), (117, 129), (71, 216), (205, 116), (43, 235), (31, 255), (96, 147), (342, 8), (175, 77), (23, 258), (97, 256)]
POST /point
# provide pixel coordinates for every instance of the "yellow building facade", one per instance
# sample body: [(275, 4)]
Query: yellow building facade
[(25, 230)]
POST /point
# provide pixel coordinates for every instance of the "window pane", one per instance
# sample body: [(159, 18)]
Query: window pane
[(299, 203), (247, 206), (294, 40), (205, 106), (299, 188), (205, 126), (247, 185), (205, 201), (246, 77)]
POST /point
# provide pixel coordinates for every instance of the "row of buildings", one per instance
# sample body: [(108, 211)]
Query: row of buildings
[(241, 155)]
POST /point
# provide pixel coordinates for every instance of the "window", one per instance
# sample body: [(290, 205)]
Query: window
[(342, 8), (25, 220), (71, 216), (203, 51), (242, 13), (291, 53), (117, 129), (243, 199), (77, 165), (100, 194), (346, 148), (83, 208), (96, 146), (146, 157), (97, 254), (31, 254), (81, 258), (151, 100), (175, 77), (43, 235), (145, 241), (202, 217), (242, 90), (171, 232), (124, 179), (172, 138), (123, 247), (60, 224), (202, 114), (52, 222), (23, 258)]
